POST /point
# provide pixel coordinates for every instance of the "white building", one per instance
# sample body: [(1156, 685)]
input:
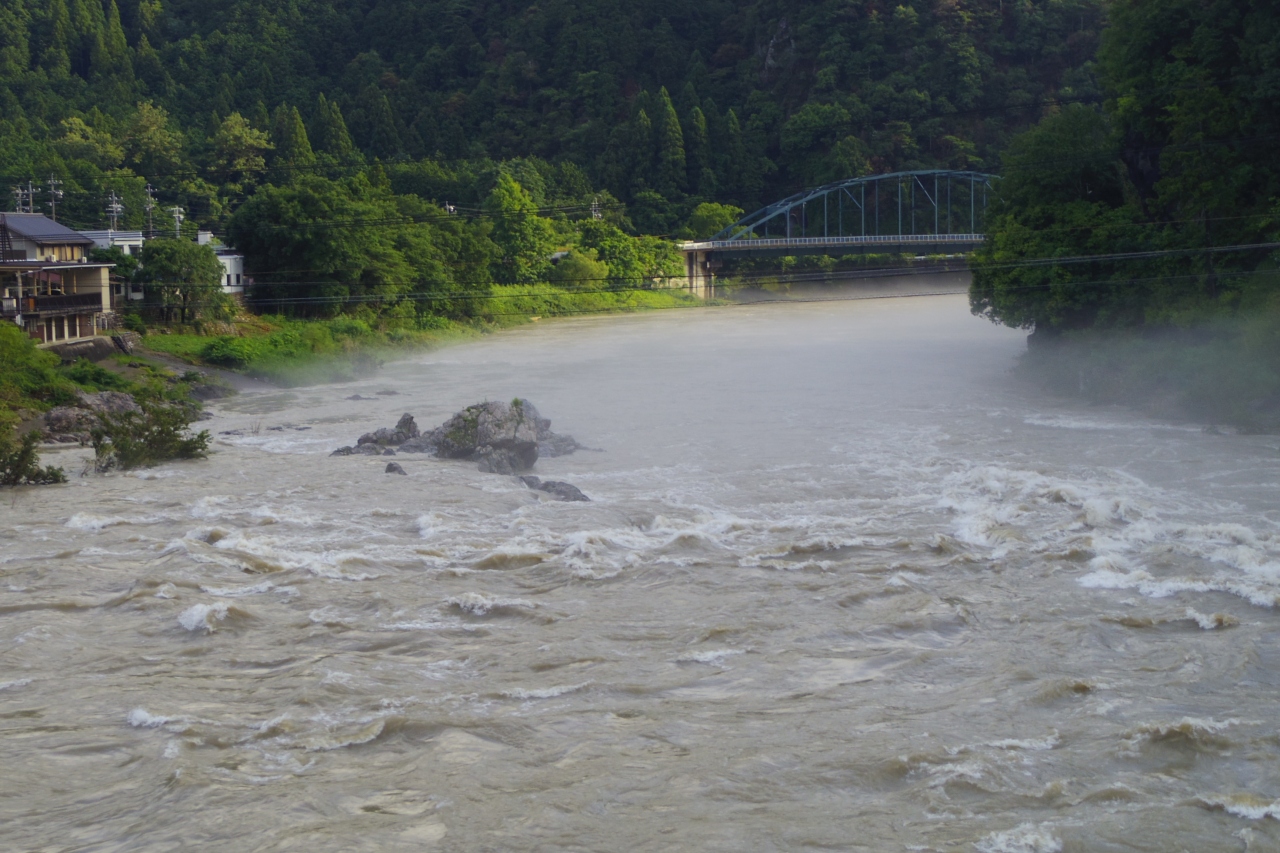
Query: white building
[(130, 242), (233, 277)]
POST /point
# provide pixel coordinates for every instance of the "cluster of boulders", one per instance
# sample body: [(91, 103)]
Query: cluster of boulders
[(73, 424), (502, 438)]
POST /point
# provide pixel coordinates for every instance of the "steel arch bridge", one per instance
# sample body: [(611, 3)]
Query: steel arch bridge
[(925, 212)]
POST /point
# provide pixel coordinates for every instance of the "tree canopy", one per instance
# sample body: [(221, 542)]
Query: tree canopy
[(671, 105), (1154, 210)]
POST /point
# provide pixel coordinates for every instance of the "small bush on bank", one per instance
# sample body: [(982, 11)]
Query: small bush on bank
[(140, 439), (91, 377), (20, 462)]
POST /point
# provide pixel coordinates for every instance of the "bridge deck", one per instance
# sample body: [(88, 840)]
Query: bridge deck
[(781, 245)]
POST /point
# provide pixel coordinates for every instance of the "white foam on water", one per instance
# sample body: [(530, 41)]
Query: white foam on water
[(94, 523), (427, 625), (1024, 838), (1144, 583), (1245, 806), (240, 591), (1212, 621), (203, 617), (545, 693), (283, 515), (1032, 744), (213, 506), (100, 552), (287, 442), (962, 771), (154, 474), (1187, 728), (140, 718), (293, 553), (480, 605), (14, 685), (365, 734), (1077, 423), (713, 656)]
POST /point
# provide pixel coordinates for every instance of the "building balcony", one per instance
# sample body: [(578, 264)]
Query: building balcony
[(52, 306)]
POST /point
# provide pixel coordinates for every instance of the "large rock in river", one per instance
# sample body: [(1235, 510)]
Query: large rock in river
[(502, 437)]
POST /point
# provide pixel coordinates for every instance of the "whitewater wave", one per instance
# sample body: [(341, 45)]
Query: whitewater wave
[(204, 617), (1024, 838)]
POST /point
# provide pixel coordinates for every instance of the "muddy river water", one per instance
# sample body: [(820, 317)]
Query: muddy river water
[(844, 584)]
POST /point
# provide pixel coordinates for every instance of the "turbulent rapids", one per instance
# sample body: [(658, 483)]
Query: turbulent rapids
[(842, 583)]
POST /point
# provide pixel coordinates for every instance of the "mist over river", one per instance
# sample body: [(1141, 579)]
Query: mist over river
[(844, 584)]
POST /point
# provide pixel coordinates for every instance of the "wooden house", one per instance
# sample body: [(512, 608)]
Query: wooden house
[(48, 286)]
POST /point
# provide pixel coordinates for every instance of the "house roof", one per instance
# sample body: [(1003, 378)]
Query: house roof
[(42, 230)]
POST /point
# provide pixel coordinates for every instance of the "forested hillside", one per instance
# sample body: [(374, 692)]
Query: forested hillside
[(1138, 240), (1162, 206), (660, 103)]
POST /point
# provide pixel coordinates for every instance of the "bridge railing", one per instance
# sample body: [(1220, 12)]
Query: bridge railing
[(798, 242)]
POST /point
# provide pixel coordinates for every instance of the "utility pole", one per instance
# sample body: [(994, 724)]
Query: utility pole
[(115, 209), (595, 209), (177, 220), (19, 195), (150, 206), (31, 197), (55, 196)]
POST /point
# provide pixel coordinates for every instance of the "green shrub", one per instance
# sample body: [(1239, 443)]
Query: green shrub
[(20, 462), (140, 439), (90, 376), (233, 352), (30, 376)]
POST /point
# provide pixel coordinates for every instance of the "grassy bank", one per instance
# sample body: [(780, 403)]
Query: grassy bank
[(1224, 373), (35, 380), (294, 352)]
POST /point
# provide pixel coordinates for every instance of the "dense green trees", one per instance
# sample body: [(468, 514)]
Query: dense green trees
[(715, 101), (182, 281), (401, 156), (1175, 175)]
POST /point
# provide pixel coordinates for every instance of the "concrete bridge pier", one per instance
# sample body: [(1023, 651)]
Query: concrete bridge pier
[(700, 273)]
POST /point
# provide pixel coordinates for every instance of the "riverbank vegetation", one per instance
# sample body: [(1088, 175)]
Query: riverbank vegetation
[(35, 380), (1137, 241), (158, 432)]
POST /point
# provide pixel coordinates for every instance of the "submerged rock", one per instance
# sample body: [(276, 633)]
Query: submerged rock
[(360, 450), (558, 490), (394, 468), (404, 430)]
